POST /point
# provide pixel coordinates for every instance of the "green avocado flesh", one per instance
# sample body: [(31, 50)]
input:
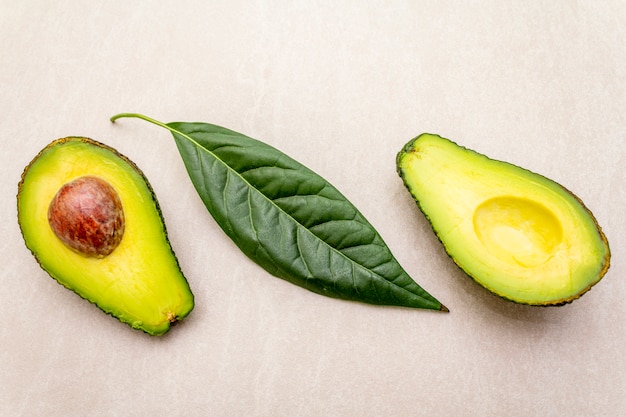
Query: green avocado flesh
[(518, 234), (132, 273)]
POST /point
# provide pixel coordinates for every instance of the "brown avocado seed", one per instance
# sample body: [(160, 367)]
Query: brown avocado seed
[(86, 215)]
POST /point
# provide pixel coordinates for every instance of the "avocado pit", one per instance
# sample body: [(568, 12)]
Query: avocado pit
[(86, 214)]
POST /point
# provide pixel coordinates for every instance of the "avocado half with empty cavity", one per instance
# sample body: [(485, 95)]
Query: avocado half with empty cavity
[(92, 221), (520, 235)]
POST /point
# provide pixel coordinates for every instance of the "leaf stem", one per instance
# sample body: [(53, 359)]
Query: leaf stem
[(139, 116), (155, 122)]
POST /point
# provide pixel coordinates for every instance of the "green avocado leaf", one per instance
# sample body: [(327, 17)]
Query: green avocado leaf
[(289, 220)]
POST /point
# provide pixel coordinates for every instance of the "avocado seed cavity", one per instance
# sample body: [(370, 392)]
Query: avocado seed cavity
[(518, 230), (86, 215)]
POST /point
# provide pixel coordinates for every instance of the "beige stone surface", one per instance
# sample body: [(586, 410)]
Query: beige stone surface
[(341, 86)]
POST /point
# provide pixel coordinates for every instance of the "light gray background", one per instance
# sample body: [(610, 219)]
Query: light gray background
[(340, 86)]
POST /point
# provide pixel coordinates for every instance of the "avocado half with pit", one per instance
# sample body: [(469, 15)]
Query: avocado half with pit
[(92, 221), (520, 235)]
